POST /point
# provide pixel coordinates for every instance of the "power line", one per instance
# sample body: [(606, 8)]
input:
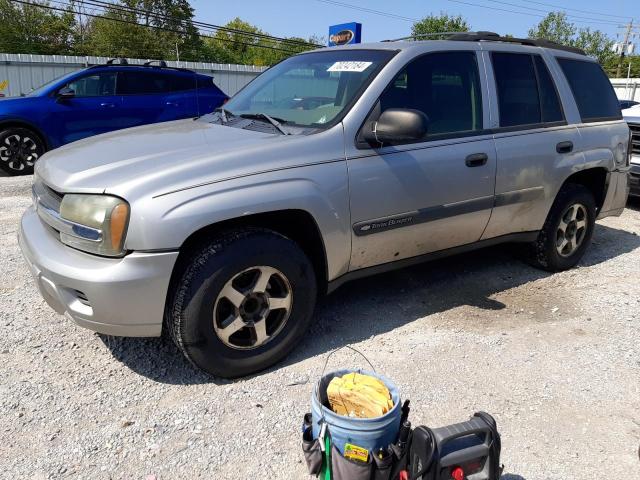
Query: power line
[(607, 22), (515, 11), (370, 10), (208, 26), (49, 7), (577, 9)]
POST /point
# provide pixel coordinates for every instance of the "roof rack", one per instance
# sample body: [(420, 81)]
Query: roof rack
[(152, 63), (494, 37), (121, 61)]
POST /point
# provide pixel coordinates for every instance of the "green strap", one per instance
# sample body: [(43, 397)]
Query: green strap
[(325, 472)]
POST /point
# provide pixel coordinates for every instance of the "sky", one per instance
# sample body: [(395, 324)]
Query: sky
[(304, 18)]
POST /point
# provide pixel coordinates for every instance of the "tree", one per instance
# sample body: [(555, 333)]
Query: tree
[(557, 28), (145, 29), (33, 29), (232, 46), (439, 24), (595, 44)]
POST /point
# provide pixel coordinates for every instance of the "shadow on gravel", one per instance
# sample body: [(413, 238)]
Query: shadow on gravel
[(381, 303), (511, 476)]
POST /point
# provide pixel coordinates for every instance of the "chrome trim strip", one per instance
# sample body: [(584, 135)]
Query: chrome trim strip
[(52, 218)]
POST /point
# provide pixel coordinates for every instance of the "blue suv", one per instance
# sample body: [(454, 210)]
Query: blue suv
[(97, 100)]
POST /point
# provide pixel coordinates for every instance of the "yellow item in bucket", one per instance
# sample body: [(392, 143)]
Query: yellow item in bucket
[(358, 395)]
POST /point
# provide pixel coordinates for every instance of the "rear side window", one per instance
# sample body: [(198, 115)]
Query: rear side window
[(591, 89), (549, 101), (445, 86), (526, 92), (183, 82), (205, 82), (141, 83)]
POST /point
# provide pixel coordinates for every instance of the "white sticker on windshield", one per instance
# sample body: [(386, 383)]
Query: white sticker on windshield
[(349, 67)]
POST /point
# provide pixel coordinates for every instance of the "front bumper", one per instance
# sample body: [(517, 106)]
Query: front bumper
[(634, 178), (114, 296)]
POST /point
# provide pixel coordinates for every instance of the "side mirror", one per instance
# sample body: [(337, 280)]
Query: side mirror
[(65, 92), (398, 125)]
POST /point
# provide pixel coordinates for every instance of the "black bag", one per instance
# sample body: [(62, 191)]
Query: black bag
[(456, 451)]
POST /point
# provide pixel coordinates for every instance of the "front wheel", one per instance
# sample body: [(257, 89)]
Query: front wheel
[(20, 148), (243, 302), (567, 232)]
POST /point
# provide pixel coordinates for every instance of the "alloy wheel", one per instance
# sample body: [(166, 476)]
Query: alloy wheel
[(571, 230), (252, 307), (19, 152)]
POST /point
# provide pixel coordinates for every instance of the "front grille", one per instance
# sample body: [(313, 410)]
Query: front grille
[(635, 137)]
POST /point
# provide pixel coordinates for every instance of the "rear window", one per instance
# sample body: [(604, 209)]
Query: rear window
[(140, 83), (591, 89)]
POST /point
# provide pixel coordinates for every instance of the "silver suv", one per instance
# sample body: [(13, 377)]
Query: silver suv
[(332, 165), (632, 116)]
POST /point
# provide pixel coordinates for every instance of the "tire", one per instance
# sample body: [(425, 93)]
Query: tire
[(205, 309), (20, 148), (549, 251)]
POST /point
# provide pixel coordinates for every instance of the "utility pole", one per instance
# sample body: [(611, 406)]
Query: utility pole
[(177, 53), (623, 48)]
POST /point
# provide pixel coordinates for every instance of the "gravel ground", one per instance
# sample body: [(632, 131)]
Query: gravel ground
[(556, 359)]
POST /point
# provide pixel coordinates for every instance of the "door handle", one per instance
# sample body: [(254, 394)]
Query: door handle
[(107, 105), (564, 147), (171, 104), (476, 159)]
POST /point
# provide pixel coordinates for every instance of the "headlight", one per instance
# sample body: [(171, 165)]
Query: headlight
[(98, 223)]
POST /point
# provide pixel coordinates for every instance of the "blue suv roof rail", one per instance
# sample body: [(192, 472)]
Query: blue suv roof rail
[(122, 62)]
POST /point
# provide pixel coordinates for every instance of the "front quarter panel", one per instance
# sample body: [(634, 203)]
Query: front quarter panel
[(166, 221)]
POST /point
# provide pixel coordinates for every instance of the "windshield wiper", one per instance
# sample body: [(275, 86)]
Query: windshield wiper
[(271, 120), (224, 114)]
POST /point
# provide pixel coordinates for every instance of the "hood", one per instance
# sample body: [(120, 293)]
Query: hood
[(160, 158), (11, 102), (632, 114)]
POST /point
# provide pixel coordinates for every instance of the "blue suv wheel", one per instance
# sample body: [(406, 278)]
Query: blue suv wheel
[(19, 150)]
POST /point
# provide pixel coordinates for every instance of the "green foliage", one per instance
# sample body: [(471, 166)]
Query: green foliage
[(31, 29), (611, 66), (439, 24), (153, 29), (232, 47), (557, 28)]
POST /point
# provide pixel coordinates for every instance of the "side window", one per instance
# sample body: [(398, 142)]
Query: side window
[(591, 89), (183, 82), (445, 86), (143, 83), (549, 101), (517, 89), (97, 85), (205, 82)]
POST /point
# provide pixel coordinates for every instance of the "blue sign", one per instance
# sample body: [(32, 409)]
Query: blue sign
[(345, 34)]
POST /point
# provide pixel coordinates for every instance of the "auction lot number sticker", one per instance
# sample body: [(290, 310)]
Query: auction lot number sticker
[(348, 67)]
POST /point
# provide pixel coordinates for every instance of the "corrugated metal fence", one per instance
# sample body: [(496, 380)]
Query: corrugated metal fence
[(627, 88), (21, 73)]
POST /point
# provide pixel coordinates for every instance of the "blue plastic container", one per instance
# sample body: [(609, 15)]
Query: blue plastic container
[(369, 433)]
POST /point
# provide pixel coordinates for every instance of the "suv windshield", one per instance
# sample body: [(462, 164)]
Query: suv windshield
[(312, 89)]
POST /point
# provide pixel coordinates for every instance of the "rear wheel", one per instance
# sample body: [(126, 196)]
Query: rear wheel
[(243, 302), (20, 148), (567, 232)]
